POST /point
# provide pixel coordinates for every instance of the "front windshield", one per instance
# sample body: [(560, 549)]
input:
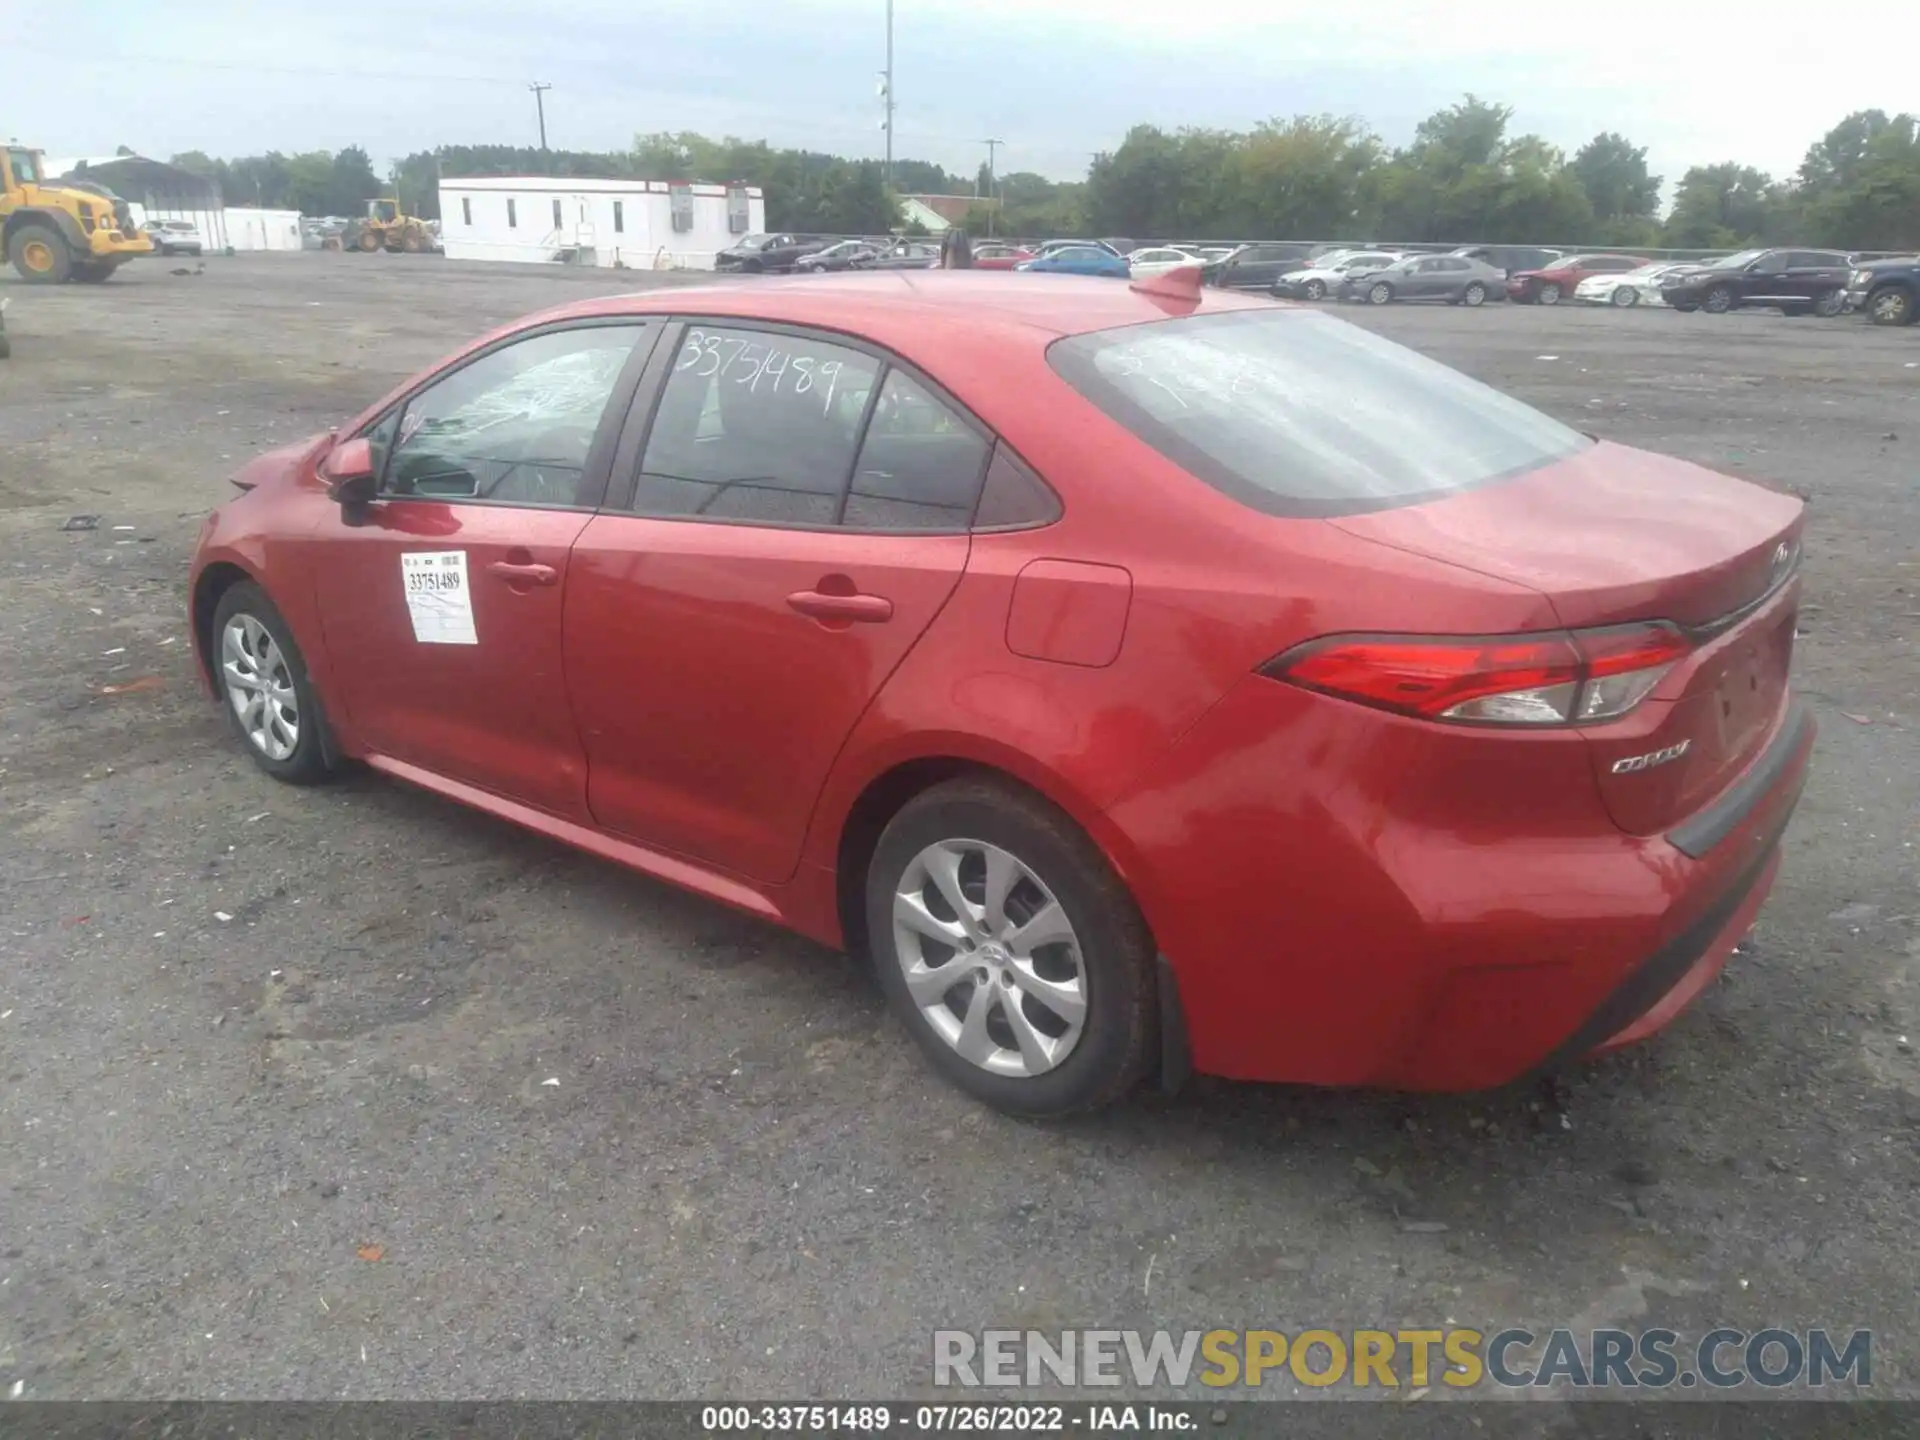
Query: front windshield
[(1745, 257), (25, 166)]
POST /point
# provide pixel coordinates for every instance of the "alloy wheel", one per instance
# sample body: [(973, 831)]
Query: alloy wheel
[(1625, 296), (1549, 294), (1717, 301), (260, 687), (990, 958), (1891, 307)]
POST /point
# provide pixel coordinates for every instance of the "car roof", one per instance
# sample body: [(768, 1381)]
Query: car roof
[(911, 311)]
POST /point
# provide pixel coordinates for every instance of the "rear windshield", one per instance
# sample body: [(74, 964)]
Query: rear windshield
[(1294, 413)]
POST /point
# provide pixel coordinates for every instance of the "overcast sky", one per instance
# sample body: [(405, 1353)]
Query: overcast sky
[(1056, 79)]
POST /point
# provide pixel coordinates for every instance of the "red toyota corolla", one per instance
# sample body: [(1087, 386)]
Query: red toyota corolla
[(1148, 680)]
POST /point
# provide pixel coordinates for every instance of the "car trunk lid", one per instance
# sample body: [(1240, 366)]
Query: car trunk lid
[(1613, 535)]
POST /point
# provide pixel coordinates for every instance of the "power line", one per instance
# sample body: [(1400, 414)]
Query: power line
[(188, 62)]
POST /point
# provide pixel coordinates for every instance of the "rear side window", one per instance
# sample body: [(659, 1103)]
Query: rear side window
[(920, 464), (1294, 413), (756, 426)]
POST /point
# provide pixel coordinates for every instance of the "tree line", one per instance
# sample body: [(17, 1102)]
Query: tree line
[(1463, 176)]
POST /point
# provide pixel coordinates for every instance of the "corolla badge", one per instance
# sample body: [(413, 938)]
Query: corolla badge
[(1635, 763), (1782, 557)]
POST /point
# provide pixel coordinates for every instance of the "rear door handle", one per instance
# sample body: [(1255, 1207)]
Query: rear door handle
[(869, 608), (523, 574)]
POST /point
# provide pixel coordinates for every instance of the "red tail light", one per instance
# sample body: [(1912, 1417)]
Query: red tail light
[(1557, 678)]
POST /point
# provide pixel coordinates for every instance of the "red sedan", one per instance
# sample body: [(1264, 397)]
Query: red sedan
[(1148, 680), (1552, 283), (989, 255)]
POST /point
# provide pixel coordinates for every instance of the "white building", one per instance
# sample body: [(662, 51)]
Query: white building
[(641, 224)]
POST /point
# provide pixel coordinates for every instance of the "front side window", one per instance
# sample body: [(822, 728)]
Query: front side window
[(1294, 413), (1772, 263), (755, 426), (513, 427)]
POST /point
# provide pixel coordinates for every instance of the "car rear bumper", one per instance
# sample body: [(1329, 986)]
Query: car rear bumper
[(1339, 937)]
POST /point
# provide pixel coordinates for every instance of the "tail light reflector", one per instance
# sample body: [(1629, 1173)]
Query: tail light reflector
[(1556, 678)]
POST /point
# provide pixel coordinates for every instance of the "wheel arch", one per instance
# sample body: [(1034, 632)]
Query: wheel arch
[(855, 829), (886, 793), (209, 585), (60, 220)]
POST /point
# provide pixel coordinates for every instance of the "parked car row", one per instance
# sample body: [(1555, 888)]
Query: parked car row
[(1796, 281)]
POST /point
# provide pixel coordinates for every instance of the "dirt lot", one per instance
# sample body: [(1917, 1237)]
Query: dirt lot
[(280, 1067)]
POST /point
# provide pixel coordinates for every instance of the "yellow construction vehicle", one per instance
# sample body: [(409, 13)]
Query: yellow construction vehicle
[(386, 228), (61, 230)]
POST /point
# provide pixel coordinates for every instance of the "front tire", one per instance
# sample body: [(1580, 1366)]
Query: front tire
[(1891, 306), (264, 687), (1718, 300), (39, 253), (1379, 293), (1474, 294), (1549, 294), (1011, 950), (1625, 297), (1314, 289)]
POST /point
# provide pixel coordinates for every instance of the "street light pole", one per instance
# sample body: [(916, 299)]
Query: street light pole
[(887, 92), (991, 145), (539, 89)]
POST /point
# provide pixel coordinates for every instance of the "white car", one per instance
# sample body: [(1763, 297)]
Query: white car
[(1318, 280), (1158, 260), (174, 237), (1631, 287)]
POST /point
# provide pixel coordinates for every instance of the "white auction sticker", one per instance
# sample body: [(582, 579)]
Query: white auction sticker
[(438, 598)]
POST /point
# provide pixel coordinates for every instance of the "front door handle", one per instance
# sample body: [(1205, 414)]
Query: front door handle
[(523, 574), (869, 608)]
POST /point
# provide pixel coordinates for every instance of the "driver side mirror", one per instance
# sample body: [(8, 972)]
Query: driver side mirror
[(349, 471)]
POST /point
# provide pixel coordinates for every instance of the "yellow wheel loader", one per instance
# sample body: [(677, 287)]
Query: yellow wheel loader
[(58, 231), (385, 228)]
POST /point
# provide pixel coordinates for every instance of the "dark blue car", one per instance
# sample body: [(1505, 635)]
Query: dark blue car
[(1079, 260)]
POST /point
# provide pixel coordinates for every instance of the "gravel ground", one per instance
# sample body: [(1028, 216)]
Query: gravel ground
[(352, 1093)]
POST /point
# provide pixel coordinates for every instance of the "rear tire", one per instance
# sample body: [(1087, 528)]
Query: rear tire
[(369, 241), (1474, 294), (1890, 306), (264, 689), (39, 253), (1104, 966), (1829, 303)]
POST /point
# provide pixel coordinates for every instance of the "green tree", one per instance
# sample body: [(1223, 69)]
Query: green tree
[(353, 183), (1724, 207), (1613, 173)]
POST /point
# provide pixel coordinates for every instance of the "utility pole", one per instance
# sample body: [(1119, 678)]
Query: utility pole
[(991, 145), (886, 95), (539, 89)]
